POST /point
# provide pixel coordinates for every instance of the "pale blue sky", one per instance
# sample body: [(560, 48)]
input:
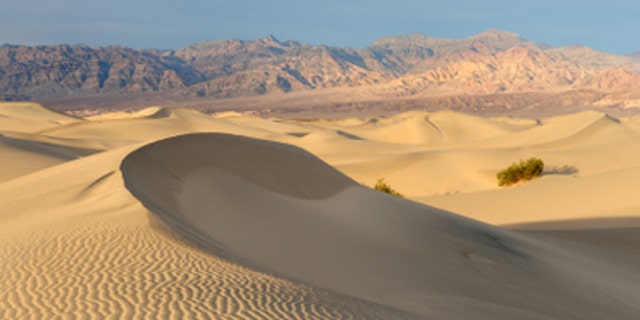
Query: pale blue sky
[(611, 25)]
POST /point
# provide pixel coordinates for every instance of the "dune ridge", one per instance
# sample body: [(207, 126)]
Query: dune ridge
[(94, 251), (381, 249)]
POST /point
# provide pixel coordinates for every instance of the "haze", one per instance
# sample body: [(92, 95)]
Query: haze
[(171, 24)]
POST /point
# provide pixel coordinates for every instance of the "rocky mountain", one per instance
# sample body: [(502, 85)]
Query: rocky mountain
[(492, 62), (64, 70)]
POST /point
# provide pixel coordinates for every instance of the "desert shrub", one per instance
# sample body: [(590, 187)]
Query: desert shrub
[(522, 171), (383, 186)]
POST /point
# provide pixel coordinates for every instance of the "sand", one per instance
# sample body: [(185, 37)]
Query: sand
[(174, 214)]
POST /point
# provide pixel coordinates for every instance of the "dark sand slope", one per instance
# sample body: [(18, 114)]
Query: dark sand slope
[(279, 209)]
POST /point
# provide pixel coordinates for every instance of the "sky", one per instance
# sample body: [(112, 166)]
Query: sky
[(606, 25)]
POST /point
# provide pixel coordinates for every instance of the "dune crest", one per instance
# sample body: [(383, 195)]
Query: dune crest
[(307, 222)]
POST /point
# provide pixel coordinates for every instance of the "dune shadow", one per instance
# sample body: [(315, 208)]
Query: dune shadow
[(349, 135), (561, 170), (298, 134)]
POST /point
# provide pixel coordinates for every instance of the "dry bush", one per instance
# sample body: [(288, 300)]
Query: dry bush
[(383, 186), (522, 171)]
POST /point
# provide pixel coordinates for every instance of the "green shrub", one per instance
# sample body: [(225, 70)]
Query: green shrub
[(522, 171), (383, 186)]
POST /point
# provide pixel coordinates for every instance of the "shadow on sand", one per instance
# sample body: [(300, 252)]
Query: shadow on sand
[(561, 170)]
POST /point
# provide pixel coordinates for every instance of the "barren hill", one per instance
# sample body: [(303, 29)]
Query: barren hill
[(410, 66)]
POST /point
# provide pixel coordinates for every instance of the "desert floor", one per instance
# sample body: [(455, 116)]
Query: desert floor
[(174, 214)]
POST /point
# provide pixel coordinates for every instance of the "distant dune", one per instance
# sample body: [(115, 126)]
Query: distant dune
[(170, 213)]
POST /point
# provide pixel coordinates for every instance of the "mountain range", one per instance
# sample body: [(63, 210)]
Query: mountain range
[(403, 67)]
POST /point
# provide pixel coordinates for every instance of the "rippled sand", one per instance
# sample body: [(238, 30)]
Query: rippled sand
[(125, 216)]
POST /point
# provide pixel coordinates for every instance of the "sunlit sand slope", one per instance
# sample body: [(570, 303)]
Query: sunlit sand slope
[(278, 209), (76, 244)]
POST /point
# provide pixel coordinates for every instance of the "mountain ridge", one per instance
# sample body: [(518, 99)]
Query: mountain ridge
[(415, 65)]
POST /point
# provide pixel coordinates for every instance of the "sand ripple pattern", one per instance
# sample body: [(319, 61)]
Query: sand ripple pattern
[(135, 272)]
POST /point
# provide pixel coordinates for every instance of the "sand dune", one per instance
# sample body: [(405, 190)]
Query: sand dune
[(307, 222), (170, 213), (21, 154), (30, 117), (557, 198), (92, 250), (15, 151)]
